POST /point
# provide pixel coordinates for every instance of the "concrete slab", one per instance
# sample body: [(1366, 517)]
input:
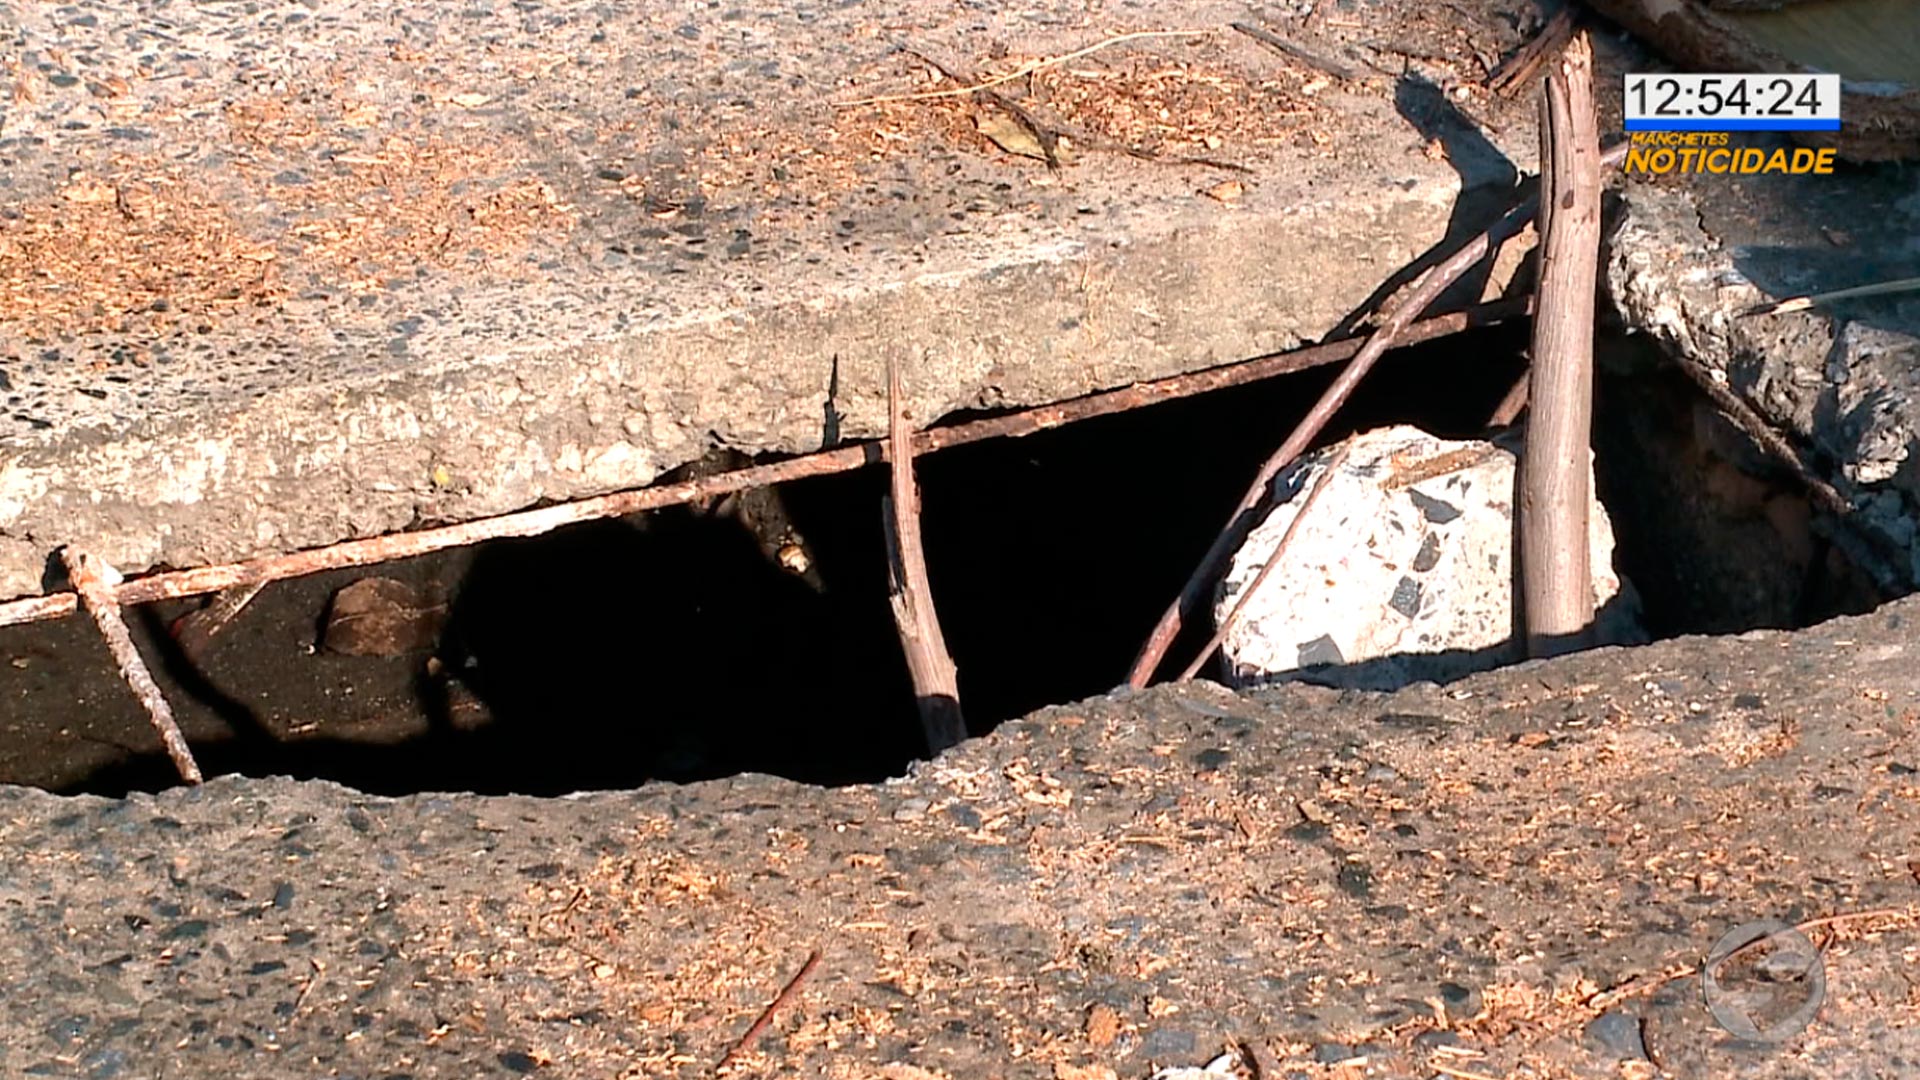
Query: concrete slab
[(279, 274)]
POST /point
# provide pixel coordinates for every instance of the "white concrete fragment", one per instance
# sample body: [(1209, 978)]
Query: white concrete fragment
[(1222, 1066), (1404, 570)]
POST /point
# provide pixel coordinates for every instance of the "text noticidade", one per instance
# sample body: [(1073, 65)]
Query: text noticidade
[(1662, 152)]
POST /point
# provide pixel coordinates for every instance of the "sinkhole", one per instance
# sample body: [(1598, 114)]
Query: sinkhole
[(693, 643)]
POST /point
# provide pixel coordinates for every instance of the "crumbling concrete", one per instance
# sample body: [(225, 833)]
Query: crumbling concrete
[(279, 274), (1401, 568), (1518, 874), (1841, 382)]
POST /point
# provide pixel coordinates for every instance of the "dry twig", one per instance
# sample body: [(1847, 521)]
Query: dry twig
[(1279, 551), (1511, 406), (766, 1017), (181, 583), (1045, 137), (1426, 291), (1556, 475), (1802, 303), (94, 581), (1297, 53), (936, 682), (1451, 1070), (1048, 136), (195, 630), (1025, 69), (306, 990), (1755, 427), (1519, 69)]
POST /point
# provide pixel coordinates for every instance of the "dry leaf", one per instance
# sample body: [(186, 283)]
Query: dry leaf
[(470, 100), (1064, 1071), (1227, 191), (1010, 135)]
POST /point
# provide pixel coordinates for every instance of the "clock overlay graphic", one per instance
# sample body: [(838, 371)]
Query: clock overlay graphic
[(1744, 102)]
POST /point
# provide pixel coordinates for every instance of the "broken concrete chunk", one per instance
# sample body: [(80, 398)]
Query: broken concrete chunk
[(1848, 389), (1404, 571)]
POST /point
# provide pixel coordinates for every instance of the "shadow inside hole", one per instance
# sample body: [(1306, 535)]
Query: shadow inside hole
[(1052, 556), (1716, 534), (668, 647)]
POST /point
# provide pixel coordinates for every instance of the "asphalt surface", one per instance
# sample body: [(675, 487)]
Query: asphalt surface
[(1517, 875)]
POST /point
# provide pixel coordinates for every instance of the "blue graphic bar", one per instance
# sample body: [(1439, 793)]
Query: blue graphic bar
[(1777, 123)]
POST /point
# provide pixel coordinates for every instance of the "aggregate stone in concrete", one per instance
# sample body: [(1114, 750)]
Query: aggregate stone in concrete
[(1517, 875), (274, 274)]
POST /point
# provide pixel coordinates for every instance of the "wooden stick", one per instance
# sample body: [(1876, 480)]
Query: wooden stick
[(936, 682), (1048, 135), (766, 1016), (1391, 332), (181, 583), (1445, 1069), (94, 580), (1556, 473), (1859, 546), (1510, 406), (1273, 560), (1754, 426), (1813, 924), (1518, 70)]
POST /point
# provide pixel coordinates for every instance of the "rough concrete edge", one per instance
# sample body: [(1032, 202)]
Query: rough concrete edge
[(1671, 278), (461, 440)]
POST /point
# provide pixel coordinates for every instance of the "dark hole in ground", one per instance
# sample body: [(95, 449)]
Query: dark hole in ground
[(672, 646), (1716, 536)]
